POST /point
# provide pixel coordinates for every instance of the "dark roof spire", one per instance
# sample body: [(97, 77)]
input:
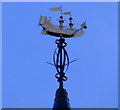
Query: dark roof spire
[(61, 100)]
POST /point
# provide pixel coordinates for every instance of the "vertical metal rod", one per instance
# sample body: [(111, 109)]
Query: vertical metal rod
[(61, 70)]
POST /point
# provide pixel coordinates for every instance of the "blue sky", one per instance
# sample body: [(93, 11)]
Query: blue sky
[(29, 82)]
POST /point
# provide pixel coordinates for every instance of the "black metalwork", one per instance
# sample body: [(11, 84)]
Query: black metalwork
[(61, 60)]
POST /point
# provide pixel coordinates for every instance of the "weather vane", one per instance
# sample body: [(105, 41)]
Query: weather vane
[(60, 56)]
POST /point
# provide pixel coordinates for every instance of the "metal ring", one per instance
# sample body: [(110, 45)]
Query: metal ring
[(57, 41), (57, 76), (65, 44), (64, 78)]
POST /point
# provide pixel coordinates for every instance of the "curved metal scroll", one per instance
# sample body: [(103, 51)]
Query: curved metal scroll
[(61, 60)]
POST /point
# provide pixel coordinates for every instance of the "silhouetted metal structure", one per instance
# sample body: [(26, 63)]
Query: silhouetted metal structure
[(60, 57)]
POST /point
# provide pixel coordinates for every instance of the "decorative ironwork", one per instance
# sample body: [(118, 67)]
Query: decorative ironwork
[(61, 60)]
